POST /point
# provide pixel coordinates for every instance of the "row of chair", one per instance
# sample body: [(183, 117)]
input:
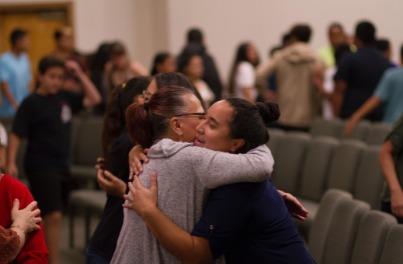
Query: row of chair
[(346, 231), (307, 166), (370, 133)]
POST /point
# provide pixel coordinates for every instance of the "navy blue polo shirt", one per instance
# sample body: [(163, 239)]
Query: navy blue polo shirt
[(250, 223), (362, 72)]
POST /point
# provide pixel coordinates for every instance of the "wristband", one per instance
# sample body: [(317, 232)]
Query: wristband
[(19, 227)]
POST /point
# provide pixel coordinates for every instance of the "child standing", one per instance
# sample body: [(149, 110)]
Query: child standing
[(44, 118)]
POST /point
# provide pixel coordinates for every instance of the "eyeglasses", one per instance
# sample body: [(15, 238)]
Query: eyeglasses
[(147, 95), (196, 114)]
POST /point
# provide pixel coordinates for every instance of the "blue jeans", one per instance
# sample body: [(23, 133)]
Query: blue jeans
[(91, 257)]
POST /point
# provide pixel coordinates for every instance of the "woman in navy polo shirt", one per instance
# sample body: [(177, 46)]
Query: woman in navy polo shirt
[(248, 222)]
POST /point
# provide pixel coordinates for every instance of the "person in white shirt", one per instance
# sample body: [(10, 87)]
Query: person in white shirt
[(242, 77), (3, 146)]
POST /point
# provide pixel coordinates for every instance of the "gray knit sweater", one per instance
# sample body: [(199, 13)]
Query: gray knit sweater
[(185, 174)]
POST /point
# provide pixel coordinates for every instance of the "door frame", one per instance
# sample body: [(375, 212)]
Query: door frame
[(30, 7)]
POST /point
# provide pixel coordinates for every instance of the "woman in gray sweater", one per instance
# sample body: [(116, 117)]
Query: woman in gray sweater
[(185, 172)]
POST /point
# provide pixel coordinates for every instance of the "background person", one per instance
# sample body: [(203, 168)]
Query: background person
[(65, 51), (391, 160), (120, 69), (192, 66), (15, 73), (163, 62), (116, 147), (358, 75), (44, 118), (388, 92), (294, 67), (196, 44), (242, 77), (336, 37)]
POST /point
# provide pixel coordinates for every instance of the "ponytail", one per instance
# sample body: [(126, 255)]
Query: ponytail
[(138, 125)]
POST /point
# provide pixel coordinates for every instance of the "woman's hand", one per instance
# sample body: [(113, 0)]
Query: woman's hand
[(111, 184), (136, 155), (26, 218), (294, 207), (142, 200), (100, 164)]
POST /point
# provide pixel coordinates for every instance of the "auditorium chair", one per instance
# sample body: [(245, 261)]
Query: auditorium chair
[(343, 230), (321, 224), (371, 237), (289, 159), (323, 127), (276, 135), (87, 146), (392, 250), (313, 178), (369, 182), (378, 133), (361, 130), (88, 203), (344, 165)]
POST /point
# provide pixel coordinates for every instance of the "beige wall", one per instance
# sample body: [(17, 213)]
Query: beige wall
[(140, 24), (149, 26), (226, 23)]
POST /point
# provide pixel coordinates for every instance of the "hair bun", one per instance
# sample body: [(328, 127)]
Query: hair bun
[(269, 111)]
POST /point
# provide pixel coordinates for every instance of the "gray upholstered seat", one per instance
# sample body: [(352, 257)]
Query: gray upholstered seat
[(88, 201), (313, 179), (369, 183), (288, 162), (378, 133), (316, 166), (276, 135), (371, 237), (323, 127), (392, 251), (86, 147), (344, 165), (343, 230), (361, 130), (320, 226)]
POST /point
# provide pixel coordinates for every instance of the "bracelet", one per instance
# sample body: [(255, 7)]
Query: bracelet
[(19, 227)]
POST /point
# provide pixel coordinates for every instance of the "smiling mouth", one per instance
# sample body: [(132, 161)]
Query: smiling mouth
[(199, 141)]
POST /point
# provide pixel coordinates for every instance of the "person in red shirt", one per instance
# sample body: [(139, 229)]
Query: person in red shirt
[(34, 251)]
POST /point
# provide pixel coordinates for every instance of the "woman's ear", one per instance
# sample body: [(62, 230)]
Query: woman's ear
[(176, 126), (237, 144)]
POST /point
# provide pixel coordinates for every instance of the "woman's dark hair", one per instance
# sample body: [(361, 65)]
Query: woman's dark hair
[(241, 55), (117, 49), (114, 121), (341, 51), (177, 79), (382, 44), (159, 59), (149, 122), (49, 62), (101, 57), (249, 122)]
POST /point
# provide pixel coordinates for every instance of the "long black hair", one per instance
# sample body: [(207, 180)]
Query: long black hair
[(114, 121), (249, 122), (159, 59), (241, 55)]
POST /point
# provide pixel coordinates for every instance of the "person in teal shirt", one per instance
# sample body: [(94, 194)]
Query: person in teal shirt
[(389, 92), (336, 37), (15, 73)]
